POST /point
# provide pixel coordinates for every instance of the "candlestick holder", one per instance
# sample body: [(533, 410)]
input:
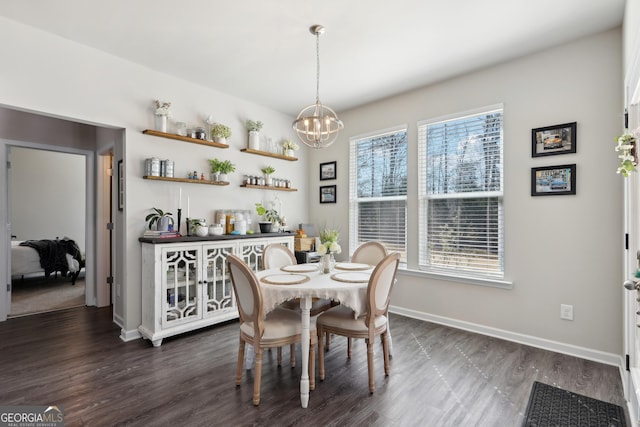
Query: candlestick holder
[(188, 228), (179, 219)]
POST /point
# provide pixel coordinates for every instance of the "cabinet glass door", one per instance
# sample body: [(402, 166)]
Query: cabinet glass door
[(181, 292), (218, 292), (251, 253)]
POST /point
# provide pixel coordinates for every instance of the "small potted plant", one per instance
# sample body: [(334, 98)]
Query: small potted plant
[(267, 171), (254, 133), (198, 227), (288, 147), (220, 133), (270, 217), (160, 219), (215, 169), (225, 167)]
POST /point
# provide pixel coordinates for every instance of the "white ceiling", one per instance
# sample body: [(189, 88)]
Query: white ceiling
[(262, 50)]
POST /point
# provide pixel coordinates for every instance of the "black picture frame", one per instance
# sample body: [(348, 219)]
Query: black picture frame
[(328, 171), (120, 185), (554, 140), (553, 180), (328, 194)]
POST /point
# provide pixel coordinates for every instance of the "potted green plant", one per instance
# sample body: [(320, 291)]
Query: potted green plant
[(160, 219), (198, 227), (267, 171), (254, 133), (220, 133), (225, 167), (215, 169), (270, 217)]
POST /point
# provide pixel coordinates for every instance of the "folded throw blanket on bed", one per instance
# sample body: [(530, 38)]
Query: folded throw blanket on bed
[(53, 254)]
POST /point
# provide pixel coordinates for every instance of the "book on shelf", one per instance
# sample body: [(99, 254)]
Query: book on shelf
[(154, 233)]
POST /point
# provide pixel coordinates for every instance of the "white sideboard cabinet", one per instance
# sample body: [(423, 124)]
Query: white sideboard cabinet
[(185, 282)]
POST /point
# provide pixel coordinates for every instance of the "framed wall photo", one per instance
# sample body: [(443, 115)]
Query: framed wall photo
[(327, 171), (553, 180), (120, 186), (552, 140), (328, 194)]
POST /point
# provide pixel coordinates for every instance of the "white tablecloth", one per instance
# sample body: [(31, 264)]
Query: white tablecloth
[(320, 285)]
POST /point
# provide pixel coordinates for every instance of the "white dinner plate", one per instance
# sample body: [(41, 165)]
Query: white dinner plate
[(285, 279), (351, 266), (351, 277), (300, 268)]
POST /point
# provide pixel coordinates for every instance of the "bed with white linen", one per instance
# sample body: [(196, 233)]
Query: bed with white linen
[(25, 260)]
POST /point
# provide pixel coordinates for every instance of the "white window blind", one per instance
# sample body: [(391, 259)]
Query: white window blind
[(461, 195), (378, 190)]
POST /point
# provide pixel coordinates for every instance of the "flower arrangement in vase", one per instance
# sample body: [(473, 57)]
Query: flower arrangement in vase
[(254, 133), (328, 247), (288, 147), (161, 113), (220, 133), (626, 146)]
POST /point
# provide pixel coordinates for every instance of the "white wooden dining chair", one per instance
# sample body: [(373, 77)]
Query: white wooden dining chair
[(341, 320), (369, 253), (279, 327)]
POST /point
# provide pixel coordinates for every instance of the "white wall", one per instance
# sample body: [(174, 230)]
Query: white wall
[(47, 195), (48, 74), (561, 249)]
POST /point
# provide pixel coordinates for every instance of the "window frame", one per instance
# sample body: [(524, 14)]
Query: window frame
[(355, 201), (424, 199)]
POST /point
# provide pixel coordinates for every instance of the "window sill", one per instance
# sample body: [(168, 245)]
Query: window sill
[(493, 283)]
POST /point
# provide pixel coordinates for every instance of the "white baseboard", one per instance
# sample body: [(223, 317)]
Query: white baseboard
[(559, 347)]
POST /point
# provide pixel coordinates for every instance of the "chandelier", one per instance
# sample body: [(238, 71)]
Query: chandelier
[(317, 125)]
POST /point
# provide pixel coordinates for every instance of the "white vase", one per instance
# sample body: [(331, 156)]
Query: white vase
[(288, 153), (220, 139), (254, 140), (215, 176), (267, 180), (161, 123), (163, 223), (326, 263), (222, 177)]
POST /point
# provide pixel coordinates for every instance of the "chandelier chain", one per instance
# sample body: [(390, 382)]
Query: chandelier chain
[(317, 67)]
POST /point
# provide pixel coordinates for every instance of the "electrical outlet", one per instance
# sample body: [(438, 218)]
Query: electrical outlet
[(566, 311)]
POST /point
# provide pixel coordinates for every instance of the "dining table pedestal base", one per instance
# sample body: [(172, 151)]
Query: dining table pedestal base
[(305, 307)]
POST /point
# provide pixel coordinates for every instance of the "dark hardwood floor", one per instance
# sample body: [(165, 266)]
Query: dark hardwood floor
[(439, 377)]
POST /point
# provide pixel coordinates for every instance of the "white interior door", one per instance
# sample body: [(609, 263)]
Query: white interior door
[(632, 263)]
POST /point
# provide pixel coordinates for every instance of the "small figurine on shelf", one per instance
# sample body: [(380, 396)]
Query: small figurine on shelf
[(201, 177)]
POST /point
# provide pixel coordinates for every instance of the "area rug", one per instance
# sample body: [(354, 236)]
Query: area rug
[(553, 406), (37, 295)]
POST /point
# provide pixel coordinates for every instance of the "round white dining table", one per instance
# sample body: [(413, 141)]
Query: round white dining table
[(347, 285)]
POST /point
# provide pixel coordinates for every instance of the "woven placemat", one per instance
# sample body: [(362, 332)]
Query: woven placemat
[(300, 268), (351, 266), (351, 277), (553, 406), (285, 279)]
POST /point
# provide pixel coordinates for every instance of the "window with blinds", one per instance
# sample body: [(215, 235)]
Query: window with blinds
[(378, 190), (461, 193)]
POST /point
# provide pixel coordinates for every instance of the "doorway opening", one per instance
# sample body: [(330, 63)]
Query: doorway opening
[(47, 212)]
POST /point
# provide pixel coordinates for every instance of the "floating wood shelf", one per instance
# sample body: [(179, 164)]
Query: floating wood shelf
[(187, 180), (185, 138), (268, 187), (268, 154)]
